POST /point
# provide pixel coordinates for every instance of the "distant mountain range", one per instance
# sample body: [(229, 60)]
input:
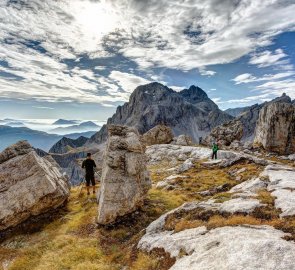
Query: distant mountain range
[(189, 111), (83, 127), (65, 122), (38, 139)]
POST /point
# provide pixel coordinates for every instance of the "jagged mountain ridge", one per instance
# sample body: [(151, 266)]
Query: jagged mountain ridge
[(189, 111), (65, 144), (235, 112)]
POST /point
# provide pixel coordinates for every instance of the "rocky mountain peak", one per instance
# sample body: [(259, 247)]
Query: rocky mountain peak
[(194, 94), (189, 112), (283, 98)]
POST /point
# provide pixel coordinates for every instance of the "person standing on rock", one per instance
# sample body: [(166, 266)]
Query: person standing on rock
[(89, 165), (214, 150)]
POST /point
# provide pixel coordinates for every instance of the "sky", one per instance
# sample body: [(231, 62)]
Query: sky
[(80, 59)]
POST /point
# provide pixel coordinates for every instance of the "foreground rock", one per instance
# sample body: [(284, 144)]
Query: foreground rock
[(29, 185), (282, 185), (239, 248), (125, 180), (275, 130), (159, 134)]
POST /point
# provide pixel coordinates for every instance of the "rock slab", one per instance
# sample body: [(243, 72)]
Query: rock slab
[(125, 179), (29, 185)]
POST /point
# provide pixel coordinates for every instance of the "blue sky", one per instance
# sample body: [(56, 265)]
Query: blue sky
[(80, 59)]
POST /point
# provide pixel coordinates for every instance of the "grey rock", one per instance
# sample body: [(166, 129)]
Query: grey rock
[(29, 185), (226, 133), (239, 248), (183, 140), (159, 134), (125, 179), (275, 130), (248, 120)]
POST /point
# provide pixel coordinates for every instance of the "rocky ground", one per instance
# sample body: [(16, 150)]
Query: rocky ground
[(233, 213)]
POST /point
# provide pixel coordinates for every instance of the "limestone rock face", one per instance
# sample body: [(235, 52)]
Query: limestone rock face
[(248, 119), (239, 248), (159, 134), (226, 133), (125, 180), (29, 185), (275, 130)]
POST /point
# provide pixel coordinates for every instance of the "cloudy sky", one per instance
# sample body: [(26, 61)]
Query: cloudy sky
[(79, 59)]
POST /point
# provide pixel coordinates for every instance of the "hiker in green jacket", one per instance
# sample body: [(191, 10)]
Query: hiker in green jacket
[(214, 150)]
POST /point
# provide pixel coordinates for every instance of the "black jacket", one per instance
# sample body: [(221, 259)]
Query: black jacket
[(89, 166)]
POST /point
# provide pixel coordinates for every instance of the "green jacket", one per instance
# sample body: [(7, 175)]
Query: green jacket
[(215, 148)]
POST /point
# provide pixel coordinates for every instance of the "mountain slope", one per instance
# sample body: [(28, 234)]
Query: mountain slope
[(65, 144), (188, 112), (237, 111)]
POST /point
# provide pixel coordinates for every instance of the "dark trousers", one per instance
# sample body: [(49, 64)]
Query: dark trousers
[(214, 155)]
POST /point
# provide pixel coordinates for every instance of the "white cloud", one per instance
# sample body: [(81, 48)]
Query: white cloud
[(217, 100), (205, 72), (183, 34), (249, 78), (127, 81), (43, 108), (267, 58), (249, 99), (277, 88)]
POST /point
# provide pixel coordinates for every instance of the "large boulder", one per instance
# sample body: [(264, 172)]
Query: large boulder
[(226, 133), (275, 129), (29, 185), (183, 140), (159, 134), (125, 179)]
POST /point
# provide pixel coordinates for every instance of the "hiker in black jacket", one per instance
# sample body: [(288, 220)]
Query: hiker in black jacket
[(89, 166)]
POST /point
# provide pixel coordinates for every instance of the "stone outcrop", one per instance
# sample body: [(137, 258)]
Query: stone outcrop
[(248, 119), (226, 133), (66, 144), (159, 134), (275, 130), (125, 180), (189, 112), (239, 248), (29, 185)]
